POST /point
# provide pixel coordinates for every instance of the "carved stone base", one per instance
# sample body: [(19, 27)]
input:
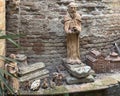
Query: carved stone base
[(78, 70), (73, 80), (80, 73)]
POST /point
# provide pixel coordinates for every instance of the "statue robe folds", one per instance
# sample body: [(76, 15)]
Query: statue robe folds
[(72, 27)]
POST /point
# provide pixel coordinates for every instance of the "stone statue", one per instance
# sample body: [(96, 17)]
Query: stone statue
[(72, 27), (77, 69), (13, 69)]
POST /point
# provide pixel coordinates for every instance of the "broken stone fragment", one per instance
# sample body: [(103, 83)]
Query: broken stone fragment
[(44, 84), (35, 85), (22, 60)]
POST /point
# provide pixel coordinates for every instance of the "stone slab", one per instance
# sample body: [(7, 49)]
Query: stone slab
[(31, 68), (34, 75), (78, 70), (72, 80)]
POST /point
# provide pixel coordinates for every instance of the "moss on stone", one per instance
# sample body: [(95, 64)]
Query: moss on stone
[(57, 89)]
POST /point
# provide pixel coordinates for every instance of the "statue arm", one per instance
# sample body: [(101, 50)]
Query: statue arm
[(79, 26), (78, 19), (66, 27)]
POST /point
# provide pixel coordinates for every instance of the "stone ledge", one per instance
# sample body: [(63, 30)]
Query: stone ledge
[(99, 84), (61, 90), (108, 81), (116, 77)]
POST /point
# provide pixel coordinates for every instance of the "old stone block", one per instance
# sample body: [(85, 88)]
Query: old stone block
[(38, 74), (31, 68)]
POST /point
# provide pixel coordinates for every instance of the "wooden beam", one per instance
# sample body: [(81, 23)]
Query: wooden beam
[(2, 27)]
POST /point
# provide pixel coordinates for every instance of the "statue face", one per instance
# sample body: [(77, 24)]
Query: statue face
[(72, 9)]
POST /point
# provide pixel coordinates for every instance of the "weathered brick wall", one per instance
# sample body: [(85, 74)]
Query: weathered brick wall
[(13, 22), (2, 27), (45, 41)]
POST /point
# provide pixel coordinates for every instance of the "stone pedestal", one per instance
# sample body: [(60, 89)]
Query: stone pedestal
[(73, 80), (79, 73), (22, 60)]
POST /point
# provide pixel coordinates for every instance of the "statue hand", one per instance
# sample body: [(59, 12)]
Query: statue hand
[(76, 29), (69, 31)]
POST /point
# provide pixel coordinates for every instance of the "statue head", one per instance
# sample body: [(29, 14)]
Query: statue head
[(72, 7)]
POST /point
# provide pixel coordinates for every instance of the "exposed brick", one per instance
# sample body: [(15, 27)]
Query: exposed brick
[(41, 20), (38, 48)]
